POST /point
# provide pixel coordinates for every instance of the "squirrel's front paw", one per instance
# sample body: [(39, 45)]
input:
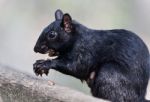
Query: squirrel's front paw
[(41, 67)]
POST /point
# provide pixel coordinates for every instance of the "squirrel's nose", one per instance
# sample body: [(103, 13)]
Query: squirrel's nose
[(41, 49), (36, 49)]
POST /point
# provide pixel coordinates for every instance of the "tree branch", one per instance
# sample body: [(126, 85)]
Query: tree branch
[(16, 86)]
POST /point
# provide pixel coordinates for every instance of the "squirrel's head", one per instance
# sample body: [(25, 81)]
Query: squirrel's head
[(56, 37)]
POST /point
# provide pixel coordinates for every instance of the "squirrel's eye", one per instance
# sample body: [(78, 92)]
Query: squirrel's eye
[(52, 35)]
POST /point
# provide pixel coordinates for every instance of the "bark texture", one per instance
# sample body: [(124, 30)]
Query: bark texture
[(16, 86)]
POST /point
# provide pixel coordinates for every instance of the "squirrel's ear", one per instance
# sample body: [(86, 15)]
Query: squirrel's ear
[(58, 14), (66, 23)]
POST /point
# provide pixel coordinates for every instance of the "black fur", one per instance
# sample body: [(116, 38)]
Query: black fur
[(119, 58)]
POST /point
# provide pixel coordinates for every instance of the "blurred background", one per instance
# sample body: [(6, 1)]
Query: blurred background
[(21, 22)]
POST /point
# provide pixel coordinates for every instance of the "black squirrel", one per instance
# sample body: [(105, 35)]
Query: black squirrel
[(115, 63)]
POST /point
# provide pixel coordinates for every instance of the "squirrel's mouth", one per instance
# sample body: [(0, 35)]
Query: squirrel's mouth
[(52, 52)]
